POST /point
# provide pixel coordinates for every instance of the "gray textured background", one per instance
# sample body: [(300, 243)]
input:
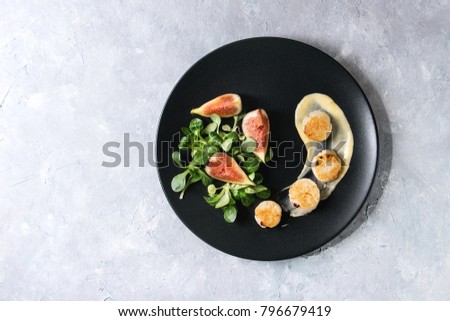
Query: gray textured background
[(76, 75)]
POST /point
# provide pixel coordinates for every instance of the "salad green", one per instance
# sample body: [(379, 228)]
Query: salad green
[(199, 142)]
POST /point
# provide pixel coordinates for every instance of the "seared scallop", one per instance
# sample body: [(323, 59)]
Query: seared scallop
[(268, 214), (326, 166), (304, 195), (317, 126)]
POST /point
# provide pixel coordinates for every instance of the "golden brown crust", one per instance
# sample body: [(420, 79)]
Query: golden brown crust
[(326, 166), (268, 214), (317, 126), (304, 194)]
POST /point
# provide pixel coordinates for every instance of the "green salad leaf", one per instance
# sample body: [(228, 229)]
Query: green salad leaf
[(200, 141)]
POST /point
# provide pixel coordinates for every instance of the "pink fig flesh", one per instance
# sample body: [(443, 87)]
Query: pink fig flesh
[(256, 126), (224, 168), (227, 105)]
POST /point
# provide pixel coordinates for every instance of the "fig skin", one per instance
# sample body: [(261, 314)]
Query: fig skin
[(257, 127), (224, 168), (224, 106)]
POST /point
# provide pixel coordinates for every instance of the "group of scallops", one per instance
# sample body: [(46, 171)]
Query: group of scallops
[(304, 194)]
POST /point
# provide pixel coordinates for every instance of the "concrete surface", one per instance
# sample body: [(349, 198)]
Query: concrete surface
[(75, 75)]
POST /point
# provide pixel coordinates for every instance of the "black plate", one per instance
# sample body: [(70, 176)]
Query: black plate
[(272, 73)]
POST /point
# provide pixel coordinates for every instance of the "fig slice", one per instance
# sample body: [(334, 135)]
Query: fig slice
[(225, 106), (257, 127), (224, 168)]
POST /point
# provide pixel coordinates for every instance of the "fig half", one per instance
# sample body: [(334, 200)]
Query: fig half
[(256, 126), (224, 168), (225, 106)]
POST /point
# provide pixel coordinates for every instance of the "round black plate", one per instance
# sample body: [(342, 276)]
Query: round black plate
[(274, 74)]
